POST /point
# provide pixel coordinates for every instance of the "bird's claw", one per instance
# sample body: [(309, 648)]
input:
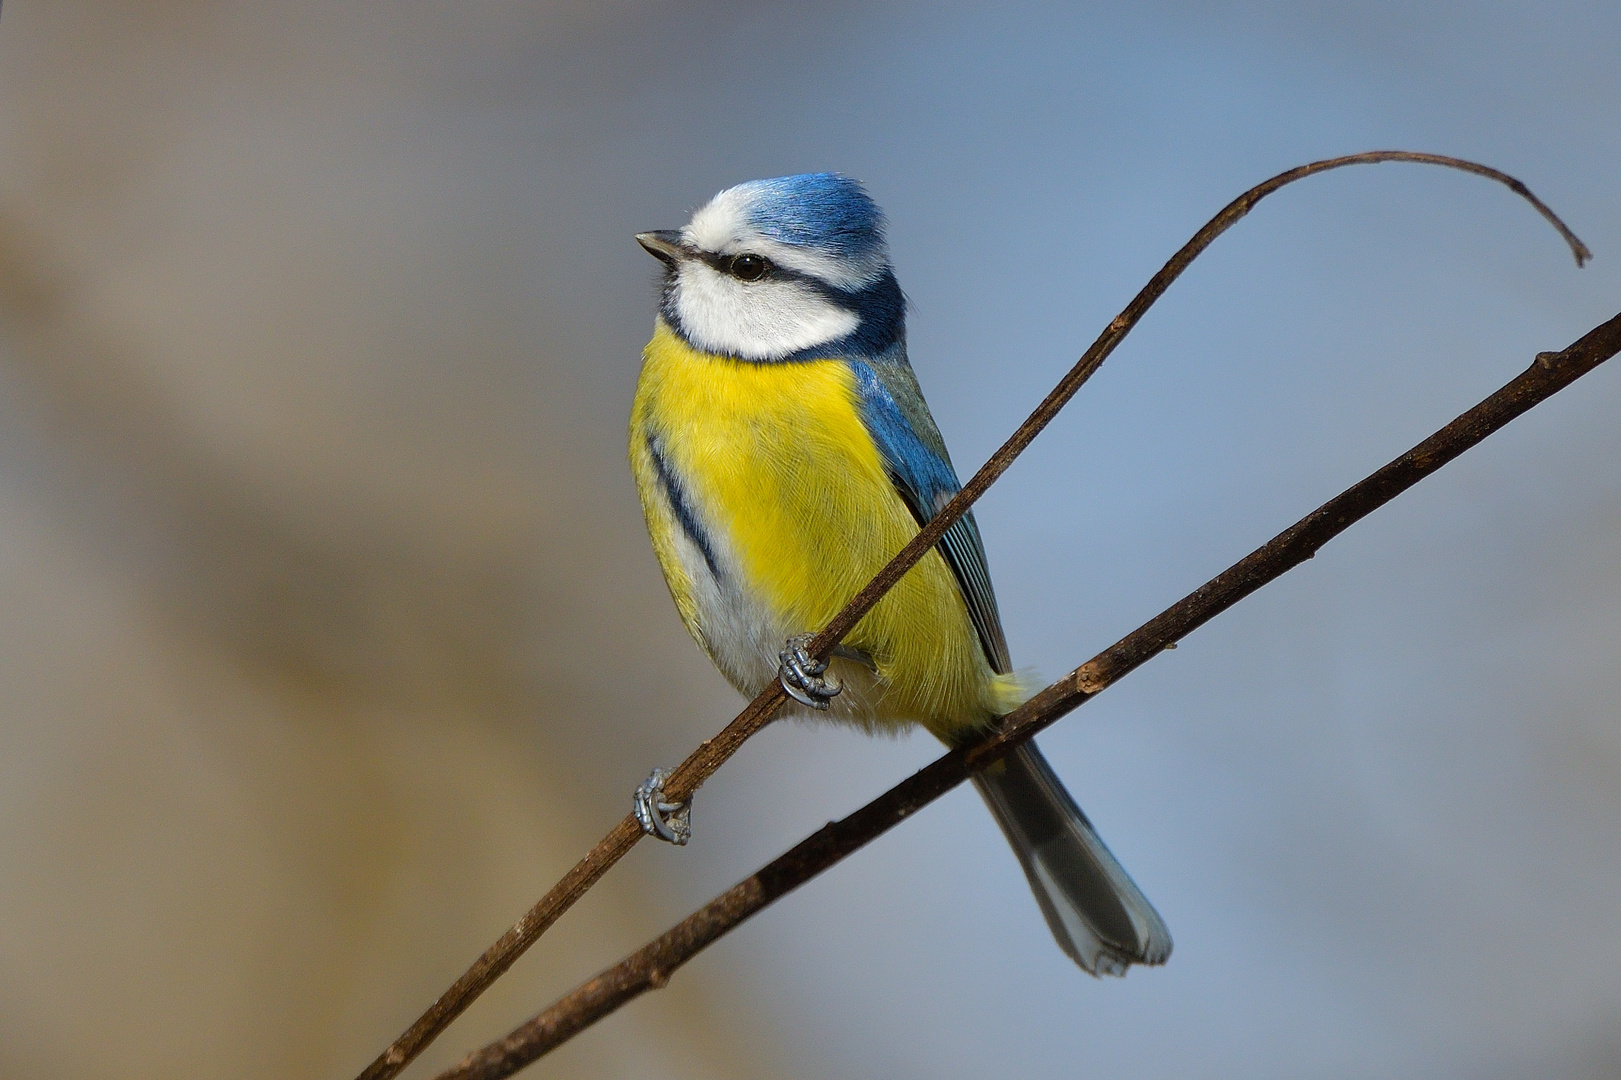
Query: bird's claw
[(801, 675), (670, 822)]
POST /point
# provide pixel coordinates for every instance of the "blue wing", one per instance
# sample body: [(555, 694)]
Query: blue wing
[(894, 412)]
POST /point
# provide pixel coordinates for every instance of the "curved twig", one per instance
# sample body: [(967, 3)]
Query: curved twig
[(680, 785)]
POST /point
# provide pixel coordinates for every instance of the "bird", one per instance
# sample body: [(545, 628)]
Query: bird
[(783, 453)]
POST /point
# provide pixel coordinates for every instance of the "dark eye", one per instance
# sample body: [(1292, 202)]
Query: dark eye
[(748, 267)]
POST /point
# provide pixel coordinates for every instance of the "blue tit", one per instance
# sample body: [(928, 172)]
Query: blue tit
[(784, 453)]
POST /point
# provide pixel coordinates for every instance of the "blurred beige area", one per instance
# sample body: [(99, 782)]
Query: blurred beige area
[(313, 580)]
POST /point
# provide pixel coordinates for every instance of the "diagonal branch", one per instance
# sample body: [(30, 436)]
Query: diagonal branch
[(710, 755), (651, 966)]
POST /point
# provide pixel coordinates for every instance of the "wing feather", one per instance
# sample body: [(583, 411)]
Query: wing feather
[(895, 414)]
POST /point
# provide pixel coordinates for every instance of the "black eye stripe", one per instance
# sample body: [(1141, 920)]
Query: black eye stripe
[(722, 264), (755, 268)]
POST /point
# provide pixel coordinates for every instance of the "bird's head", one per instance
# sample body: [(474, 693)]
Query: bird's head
[(777, 269)]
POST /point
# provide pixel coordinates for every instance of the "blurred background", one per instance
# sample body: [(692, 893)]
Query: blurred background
[(330, 636)]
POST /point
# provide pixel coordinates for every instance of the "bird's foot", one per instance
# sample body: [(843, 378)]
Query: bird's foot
[(801, 675), (671, 822)]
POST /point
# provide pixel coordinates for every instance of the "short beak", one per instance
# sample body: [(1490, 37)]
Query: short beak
[(664, 245)]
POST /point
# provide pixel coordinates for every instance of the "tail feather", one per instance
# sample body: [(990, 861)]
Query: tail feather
[(1097, 913)]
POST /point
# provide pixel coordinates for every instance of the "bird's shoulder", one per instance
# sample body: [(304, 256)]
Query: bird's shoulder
[(899, 420), (914, 453)]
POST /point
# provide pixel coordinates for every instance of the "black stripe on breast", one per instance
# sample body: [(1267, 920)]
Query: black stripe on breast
[(678, 503)]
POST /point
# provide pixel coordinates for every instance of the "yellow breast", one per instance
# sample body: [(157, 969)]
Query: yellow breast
[(779, 474)]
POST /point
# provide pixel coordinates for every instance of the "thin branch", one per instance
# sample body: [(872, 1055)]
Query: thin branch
[(713, 753), (651, 966)]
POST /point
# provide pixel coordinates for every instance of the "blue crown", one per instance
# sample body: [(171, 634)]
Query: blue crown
[(821, 210)]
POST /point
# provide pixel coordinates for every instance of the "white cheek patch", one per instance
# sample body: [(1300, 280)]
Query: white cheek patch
[(761, 320)]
